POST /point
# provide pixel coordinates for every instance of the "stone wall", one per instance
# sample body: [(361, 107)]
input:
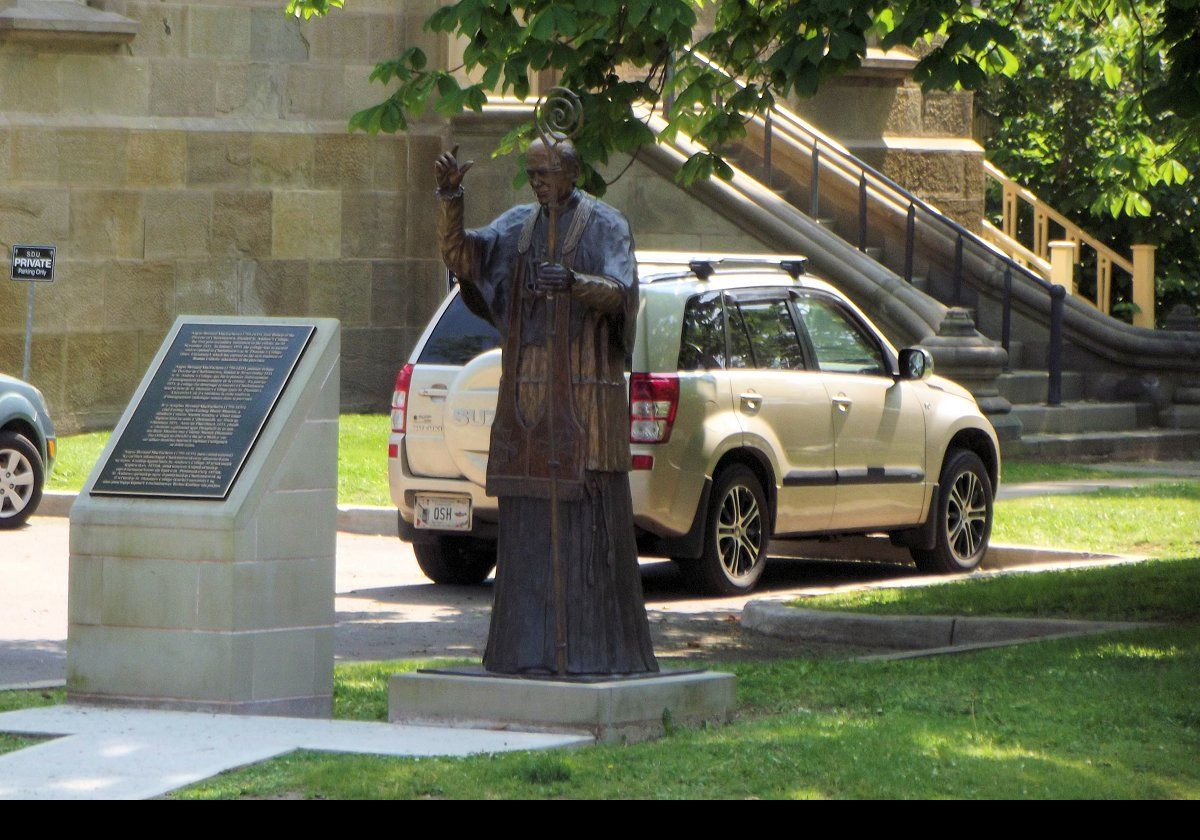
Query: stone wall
[(922, 141), (205, 168)]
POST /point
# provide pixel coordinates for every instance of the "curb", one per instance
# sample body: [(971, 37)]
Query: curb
[(910, 631), (375, 521)]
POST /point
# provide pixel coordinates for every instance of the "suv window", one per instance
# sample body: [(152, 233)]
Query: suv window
[(838, 341), (459, 336), (740, 355), (772, 335), (702, 346)]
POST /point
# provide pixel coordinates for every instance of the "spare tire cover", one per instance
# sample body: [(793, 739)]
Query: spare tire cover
[(470, 409)]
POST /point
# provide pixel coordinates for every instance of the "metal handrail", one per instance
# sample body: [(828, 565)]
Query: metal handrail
[(824, 149)]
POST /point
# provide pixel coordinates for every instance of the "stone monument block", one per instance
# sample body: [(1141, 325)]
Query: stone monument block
[(202, 545)]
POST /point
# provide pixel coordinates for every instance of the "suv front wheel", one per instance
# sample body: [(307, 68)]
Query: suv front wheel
[(462, 561), (736, 535), (964, 516)]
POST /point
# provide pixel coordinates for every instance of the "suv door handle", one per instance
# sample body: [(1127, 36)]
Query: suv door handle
[(752, 400), (434, 391), (843, 402)]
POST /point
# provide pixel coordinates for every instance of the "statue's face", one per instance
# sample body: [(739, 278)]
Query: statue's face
[(545, 179)]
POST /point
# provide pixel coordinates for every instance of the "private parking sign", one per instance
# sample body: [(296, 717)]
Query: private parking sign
[(33, 262)]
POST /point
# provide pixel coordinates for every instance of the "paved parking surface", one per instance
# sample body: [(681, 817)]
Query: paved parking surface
[(386, 609)]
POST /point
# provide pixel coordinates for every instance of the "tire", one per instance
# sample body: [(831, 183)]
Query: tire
[(964, 516), (21, 478), (736, 534), (458, 561)]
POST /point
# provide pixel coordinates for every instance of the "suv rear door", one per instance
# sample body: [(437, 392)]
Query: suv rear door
[(783, 405)]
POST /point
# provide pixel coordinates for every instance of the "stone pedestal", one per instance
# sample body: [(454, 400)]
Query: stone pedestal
[(218, 605), (615, 709)]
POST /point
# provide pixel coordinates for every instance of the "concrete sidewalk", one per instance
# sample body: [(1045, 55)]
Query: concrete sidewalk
[(138, 754)]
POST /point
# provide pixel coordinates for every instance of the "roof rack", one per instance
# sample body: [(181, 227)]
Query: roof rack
[(703, 269)]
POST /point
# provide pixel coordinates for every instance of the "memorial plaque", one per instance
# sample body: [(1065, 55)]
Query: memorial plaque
[(198, 420)]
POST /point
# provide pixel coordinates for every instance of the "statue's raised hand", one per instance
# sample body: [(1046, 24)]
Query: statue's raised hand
[(447, 173)]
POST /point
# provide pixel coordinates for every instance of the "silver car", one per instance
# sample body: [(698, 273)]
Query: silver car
[(762, 404), (27, 450)]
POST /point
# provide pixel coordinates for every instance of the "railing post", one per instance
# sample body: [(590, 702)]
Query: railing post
[(814, 184), (1103, 283), (1054, 354), (862, 211), (1006, 315), (1041, 233), (1009, 219), (1143, 286), (1062, 265), (910, 230), (767, 129), (958, 270)]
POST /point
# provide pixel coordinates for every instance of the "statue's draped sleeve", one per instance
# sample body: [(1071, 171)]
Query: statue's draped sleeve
[(606, 277), (482, 259)]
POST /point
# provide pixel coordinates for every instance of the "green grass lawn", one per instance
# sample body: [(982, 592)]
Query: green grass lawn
[(362, 459), (10, 701), (1160, 520), (1024, 472), (1156, 590), (1114, 716)]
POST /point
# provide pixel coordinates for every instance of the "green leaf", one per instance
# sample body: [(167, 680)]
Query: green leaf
[(696, 168), (1112, 75), (1136, 205), (444, 19)]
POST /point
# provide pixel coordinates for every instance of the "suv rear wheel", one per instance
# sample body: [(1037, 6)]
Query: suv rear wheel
[(735, 538), (964, 516), (463, 561), (21, 477)]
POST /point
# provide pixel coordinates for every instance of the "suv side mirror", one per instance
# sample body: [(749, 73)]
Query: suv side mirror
[(916, 363)]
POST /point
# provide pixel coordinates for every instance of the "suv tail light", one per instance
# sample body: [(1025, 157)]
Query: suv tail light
[(400, 397), (653, 400)]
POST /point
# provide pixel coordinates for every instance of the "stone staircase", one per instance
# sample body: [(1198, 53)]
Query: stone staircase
[(1087, 429)]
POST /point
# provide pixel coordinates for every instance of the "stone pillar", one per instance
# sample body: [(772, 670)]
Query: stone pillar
[(1143, 286), (1062, 265), (962, 354)]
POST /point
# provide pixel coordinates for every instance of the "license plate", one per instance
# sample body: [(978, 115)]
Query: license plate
[(443, 513)]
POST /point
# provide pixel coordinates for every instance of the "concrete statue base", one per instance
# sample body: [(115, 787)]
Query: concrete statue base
[(611, 709)]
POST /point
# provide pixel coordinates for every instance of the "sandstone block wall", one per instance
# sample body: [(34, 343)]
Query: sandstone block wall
[(205, 168), (922, 141)]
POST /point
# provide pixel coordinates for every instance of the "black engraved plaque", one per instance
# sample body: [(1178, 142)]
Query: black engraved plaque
[(197, 422)]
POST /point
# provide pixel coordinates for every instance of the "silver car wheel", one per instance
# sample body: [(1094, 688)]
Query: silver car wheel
[(739, 532), (16, 482), (966, 517)]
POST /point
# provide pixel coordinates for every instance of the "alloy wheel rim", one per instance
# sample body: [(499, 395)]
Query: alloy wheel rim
[(16, 483), (966, 517), (739, 532)]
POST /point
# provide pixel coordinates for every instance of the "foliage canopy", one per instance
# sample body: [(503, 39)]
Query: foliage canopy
[(617, 53)]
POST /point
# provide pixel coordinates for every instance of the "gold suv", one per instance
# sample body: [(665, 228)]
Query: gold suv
[(763, 404)]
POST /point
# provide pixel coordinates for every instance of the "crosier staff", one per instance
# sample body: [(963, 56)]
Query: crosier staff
[(558, 117)]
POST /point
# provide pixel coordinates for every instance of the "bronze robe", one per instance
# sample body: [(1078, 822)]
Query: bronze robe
[(607, 631)]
